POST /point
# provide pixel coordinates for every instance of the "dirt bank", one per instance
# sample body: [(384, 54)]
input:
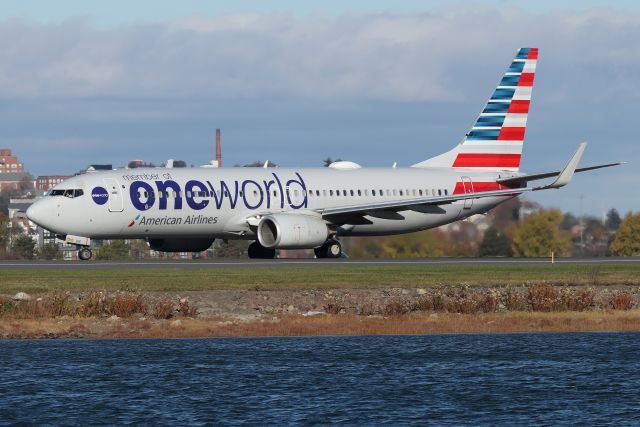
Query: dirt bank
[(319, 312)]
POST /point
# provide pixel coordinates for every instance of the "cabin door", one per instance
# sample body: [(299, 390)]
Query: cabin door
[(116, 204), (468, 189)]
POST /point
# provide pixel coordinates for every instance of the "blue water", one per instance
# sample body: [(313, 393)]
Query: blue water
[(402, 380)]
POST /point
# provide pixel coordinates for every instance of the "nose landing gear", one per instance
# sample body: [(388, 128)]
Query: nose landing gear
[(330, 249)]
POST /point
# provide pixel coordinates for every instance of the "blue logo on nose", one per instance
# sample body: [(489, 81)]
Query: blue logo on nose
[(100, 195)]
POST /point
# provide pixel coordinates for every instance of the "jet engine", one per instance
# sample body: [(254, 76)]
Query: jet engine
[(181, 245), (291, 231)]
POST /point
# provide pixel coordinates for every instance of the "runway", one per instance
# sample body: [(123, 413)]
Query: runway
[(283, 263)]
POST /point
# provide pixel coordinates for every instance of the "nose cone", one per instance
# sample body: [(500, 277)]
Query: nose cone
[(41, 213)]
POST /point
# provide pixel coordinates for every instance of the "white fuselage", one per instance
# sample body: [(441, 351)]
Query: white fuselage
[(207, 202)]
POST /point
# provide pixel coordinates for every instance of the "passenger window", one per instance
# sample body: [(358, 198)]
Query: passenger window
[(439, 192), (318, 193), (331, 192), (373, 192), (446, 192), (414, 191), (420, 191), (344, 193), (401, 192), (351, 192)]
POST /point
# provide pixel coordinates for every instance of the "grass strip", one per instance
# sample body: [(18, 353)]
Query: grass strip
[(315, 277)]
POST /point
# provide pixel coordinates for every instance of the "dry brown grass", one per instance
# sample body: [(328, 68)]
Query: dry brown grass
[(122, 304), (539, 307), (343, 324), (164, 309)]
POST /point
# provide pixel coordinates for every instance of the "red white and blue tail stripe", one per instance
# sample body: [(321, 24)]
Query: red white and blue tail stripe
[(495, 141)]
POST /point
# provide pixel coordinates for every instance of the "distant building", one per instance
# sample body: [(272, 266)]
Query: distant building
[(133, 164), (96, 168), (45, 182), (16, 181), (9, 163)]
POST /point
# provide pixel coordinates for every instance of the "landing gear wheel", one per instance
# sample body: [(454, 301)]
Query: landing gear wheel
[(85, 254), (257, 251), (330, 249)]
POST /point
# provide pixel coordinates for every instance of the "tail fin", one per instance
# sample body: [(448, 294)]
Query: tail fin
[(495, 141)]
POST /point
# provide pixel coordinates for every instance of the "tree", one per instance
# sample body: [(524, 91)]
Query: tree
[(613, 220), (49, 252), (231, 249), (569, 221), (539, 234), (139, 249), (627, 240), (114, 250), (413, 245), (495, 243), (4, 233), (24, 247)]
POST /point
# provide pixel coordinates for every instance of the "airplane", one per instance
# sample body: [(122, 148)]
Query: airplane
[(186, 209)]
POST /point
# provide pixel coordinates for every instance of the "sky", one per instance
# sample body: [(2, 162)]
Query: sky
[(375, 82)]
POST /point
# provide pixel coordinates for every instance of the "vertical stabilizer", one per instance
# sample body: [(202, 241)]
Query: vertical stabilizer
[(495, 141)]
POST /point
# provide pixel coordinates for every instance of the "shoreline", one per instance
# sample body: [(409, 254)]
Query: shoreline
[(322, 325), (315, 312)]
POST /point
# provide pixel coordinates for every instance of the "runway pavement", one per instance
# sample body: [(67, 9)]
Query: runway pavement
[(280, 263)]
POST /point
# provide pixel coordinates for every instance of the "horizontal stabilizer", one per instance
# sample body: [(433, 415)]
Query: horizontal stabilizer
[(535, 177)]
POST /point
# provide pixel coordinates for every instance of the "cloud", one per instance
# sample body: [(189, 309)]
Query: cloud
[(373, 88), (435, 56)]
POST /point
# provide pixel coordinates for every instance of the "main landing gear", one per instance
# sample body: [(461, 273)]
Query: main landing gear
[(256, 250), (330, 249), (84, 253)]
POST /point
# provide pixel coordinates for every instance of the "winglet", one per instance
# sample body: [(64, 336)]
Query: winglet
[(567, 172)]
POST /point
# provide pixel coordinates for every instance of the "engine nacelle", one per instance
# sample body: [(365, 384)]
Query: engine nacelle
[(181, 245), (291, 231)]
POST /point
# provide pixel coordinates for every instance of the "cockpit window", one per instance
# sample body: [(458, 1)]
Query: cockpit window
[(70, 193)]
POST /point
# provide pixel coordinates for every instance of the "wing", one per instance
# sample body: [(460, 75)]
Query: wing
[(563, 178), (399, 205)]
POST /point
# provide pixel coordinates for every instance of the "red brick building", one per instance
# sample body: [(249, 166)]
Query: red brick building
[(45, 182), (19, 181), (9, 163)]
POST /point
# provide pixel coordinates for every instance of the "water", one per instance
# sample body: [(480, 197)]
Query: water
[(419, 380)]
